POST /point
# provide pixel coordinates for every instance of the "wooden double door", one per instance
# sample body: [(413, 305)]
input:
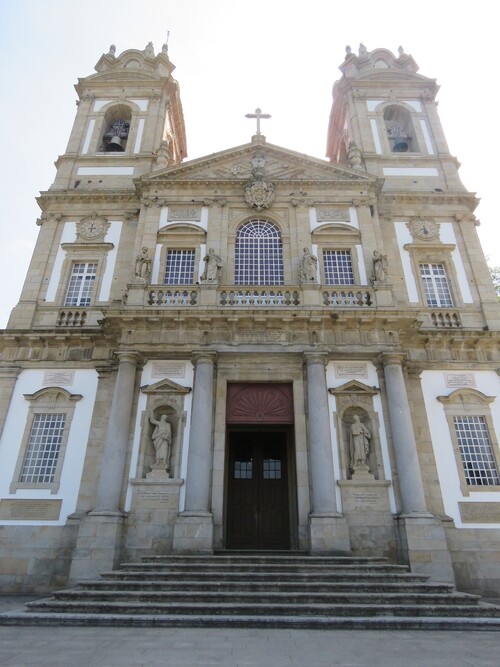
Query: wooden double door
[(258, 497)]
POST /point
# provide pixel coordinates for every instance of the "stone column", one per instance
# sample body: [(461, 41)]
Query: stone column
[(116, 443), (405, 447), (193, 532), (327, 528), (99, 542), (422, 535)]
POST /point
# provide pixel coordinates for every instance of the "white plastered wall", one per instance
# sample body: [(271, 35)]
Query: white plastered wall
[(84, 382), (434, 385)]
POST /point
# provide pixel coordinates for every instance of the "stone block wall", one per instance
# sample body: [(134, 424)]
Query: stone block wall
[(35, 559)]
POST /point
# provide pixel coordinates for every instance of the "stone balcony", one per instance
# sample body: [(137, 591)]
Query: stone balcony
[(250, 296)]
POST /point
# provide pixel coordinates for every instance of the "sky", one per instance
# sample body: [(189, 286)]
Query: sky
[(232, 56)]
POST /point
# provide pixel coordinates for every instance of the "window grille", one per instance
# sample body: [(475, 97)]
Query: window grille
[(436, 287), (81, 284), (179, 268), (259, 254), (337, 265), (43, 448), (476, 451)]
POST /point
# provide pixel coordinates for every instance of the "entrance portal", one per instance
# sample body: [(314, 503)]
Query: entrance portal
[(258, 496)]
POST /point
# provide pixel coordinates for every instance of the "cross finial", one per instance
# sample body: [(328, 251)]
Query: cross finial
[(258, 115)]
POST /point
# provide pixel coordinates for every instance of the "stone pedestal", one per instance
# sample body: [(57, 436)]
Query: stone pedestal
[(365, 505), (424, 547), (136, 294), (194, 533), (328, 534), (98, 547), (152, 516)]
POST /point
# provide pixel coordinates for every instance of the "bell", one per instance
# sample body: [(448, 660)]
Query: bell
[(115, 145), (401, 147)]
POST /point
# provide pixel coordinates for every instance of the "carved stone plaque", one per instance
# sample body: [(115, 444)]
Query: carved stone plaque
[(262, 336), (454, 380), (480, 512), (168, 370), (30, 510), (351, 371), (333, 215), (176, 213), (58, 378)]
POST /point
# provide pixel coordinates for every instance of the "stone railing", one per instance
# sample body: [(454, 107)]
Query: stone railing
[(71, 318), (350, 298), (259, 297), (247, 296), (172, 297)]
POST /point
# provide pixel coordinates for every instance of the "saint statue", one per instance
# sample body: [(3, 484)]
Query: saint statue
[(308, 267), (359, 443), (380, 266), (143, 266), (213, 265), (162, 440)]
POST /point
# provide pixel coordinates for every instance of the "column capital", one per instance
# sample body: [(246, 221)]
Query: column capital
[(127, 356), (394, 358), (315, 358), (10, 371), (204, 357)]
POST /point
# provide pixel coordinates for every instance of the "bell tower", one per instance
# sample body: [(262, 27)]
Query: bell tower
[(384, 119), (129, 122)]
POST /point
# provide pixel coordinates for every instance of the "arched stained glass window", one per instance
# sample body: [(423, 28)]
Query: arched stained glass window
[(259, 254)]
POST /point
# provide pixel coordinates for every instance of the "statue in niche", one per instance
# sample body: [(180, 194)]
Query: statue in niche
[(162, 441), (143, 266), (213, 265), (380, 266), (308, 267), (359, 443)]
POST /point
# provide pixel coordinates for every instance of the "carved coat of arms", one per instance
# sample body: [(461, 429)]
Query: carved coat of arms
[(259, 191)]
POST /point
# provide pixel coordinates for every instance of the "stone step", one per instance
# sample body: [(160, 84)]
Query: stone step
[(273, 597), (270, 585), (224, 567), (270, 558), (350, 575), (265, 609), (386, 622)]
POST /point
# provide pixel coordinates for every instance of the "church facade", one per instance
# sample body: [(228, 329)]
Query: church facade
[(254, 350)]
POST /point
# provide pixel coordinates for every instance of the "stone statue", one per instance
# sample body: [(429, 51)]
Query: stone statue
[(380, 266), (213, 265), (354, 156), (363, 51), (359, 443), (308, 270), (143, 266), (162, 440)]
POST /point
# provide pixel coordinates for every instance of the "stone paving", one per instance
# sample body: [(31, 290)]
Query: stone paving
[(186, 647)]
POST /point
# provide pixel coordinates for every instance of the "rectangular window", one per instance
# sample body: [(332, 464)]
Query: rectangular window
[(42, 452), (81, 284), (179, 268), (476, 451), (436, 286), (337, 265)]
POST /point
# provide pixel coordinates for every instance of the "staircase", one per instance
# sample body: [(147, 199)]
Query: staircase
[(264, 590)]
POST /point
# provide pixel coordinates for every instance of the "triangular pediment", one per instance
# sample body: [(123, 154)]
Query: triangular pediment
[(165, 386), (236, 164), (354, 387)]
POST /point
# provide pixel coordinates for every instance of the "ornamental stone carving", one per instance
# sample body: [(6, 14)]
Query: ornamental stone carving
[(259, 191)]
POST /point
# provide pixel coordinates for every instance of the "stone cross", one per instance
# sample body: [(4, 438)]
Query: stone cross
[(258, 114)]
